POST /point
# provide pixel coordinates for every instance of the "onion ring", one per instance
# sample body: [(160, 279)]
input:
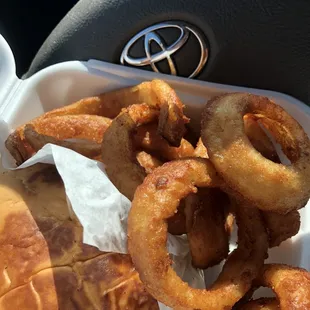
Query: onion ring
[(261, 304), (201, 151), (92, 127), (118, 149), (84, 147), (280, 227), (176, 223), (155, 201), (205, 225), (274, 187), (290, 284), (201, 230), (157, 94), (147, 138), (88, 127), (219, 250), (209, 243), (257, 137)]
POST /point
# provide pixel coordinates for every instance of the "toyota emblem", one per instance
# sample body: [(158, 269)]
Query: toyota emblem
[(165, 51)]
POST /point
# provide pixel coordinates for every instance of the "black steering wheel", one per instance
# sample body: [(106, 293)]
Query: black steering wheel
[(255, 43)]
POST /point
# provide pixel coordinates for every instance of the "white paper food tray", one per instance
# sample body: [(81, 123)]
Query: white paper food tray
[(64, 83)]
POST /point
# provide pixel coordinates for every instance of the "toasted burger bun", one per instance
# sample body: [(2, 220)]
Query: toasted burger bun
[(43, 262)]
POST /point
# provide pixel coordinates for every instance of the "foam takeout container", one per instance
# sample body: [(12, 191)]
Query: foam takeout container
[(64, 83)]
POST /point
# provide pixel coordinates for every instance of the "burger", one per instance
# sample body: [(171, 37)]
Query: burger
[(43, 261)]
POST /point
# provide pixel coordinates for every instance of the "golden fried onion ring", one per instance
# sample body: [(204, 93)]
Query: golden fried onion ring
[(273, 186), (207, 234), (261, 304), (88, 127), (280, 227), (156, 200), (257, 137), (157, 94), (84, 147), (85, 127), (290, 284), (118, 148)]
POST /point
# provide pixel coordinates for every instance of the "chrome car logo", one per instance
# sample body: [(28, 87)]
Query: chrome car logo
[(149, 34)]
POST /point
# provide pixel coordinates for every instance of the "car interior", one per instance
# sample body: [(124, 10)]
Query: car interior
[(255, 43)]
